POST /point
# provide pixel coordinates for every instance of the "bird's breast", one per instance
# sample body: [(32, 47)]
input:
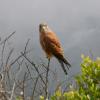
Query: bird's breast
[(45, 45)]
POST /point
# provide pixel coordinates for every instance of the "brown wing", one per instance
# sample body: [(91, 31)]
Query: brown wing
[(52, 44)]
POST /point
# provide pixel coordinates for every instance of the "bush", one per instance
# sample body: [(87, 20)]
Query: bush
[(88, 83)]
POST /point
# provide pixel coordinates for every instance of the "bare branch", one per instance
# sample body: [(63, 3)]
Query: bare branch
[(47, 73), (34, 88), (34, 67), (12, 93), (7, 38)]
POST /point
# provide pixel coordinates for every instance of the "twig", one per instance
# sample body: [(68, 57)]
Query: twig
[(7, 67), (7, 38), (47, 73), (34, 67), (34, 88), (29, 71), (25, 52), (26, 46), (12, 93), (2, 55)]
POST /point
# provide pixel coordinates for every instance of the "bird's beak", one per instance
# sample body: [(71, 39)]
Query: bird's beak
[(43, 28)]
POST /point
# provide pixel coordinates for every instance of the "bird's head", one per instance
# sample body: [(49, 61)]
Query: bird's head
[(43, 27)]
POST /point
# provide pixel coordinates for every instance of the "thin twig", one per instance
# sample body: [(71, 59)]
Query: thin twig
[(25, 52), (47, 73), (34, 67), (26, 46), (34, 88), (2, 55), (7, 66), (29, 71), (12, 93), (7, 38)]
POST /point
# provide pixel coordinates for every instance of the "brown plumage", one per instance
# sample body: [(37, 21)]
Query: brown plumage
[(51, 45)]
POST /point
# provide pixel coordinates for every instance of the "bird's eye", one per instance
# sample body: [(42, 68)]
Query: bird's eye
[(40, 26)]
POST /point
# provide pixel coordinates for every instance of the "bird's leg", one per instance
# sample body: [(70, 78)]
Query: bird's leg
[(48, 62), (47, 73)]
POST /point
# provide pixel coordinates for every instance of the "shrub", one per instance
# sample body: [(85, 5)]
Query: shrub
[(88, 83)]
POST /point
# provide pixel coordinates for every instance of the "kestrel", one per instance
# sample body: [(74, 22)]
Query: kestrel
[(51, 45)]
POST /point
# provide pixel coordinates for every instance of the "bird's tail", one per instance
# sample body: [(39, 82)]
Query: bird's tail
[(66, 62), (63, 67), (63, 61)]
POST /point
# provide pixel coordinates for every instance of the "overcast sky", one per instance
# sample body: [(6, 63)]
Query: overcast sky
[(76, 22)]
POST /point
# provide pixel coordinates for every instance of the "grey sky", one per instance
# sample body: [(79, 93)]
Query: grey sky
[(63, 15), (76, 22)]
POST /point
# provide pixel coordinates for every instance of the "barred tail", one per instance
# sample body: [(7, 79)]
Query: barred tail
[(63, 67), (66, 62), (63, 61)]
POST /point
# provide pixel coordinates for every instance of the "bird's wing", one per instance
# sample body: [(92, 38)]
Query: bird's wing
[(53, 44)]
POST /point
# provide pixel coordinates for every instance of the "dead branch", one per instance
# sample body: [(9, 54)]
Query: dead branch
[(33, 64)]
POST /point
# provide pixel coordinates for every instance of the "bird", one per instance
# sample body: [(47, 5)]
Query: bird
[(50, 44)]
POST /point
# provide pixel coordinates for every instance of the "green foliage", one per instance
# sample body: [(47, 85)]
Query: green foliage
[(19, 98), (89, 80), (88, 83)]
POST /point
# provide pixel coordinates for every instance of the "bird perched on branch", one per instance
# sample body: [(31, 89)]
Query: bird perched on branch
[(51, 45)]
